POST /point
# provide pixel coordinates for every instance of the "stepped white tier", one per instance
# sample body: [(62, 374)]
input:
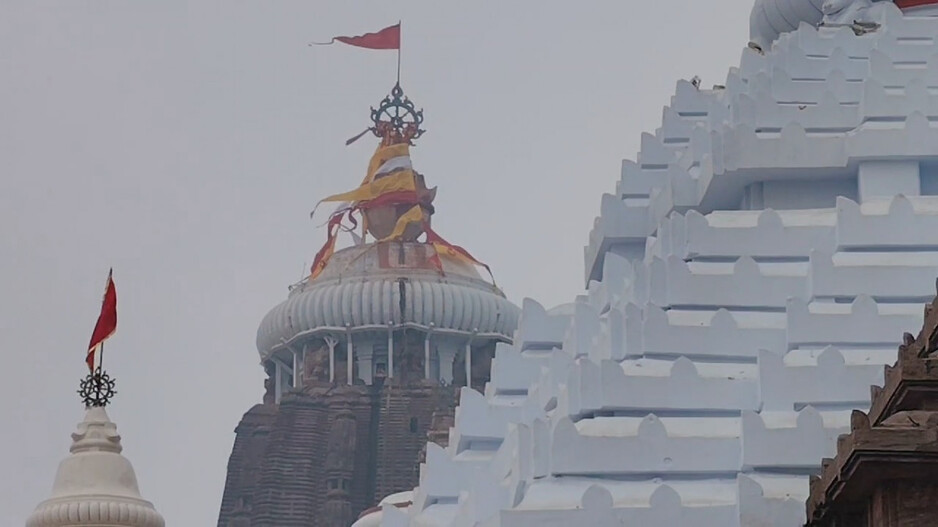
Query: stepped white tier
[(748, 280)]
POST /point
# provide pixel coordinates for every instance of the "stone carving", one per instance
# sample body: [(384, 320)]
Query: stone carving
[(316, 365), (269, 395)]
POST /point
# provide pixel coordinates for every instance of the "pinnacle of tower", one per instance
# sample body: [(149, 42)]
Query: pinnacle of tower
[(95, 485), (393, 199)]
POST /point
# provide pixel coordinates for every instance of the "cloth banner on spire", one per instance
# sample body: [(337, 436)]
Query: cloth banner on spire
[(403, 180), (387, 38), (386, 159), (325, 253), (106, 324), (414, 215), (443, 247)]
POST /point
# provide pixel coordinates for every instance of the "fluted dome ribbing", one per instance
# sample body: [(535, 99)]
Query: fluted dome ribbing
[(376, 284), (95, 486)]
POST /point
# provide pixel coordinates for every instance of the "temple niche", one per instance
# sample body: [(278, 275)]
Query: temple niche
[(366, 353)]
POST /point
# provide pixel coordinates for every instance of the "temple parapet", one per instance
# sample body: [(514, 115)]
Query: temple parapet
[(861, 323), (763, 234), (745, 286), (723, 337), (649, 385), (594, 446), (897, 223), (828, 383), (880, 276), (538, 329), (767, 438)]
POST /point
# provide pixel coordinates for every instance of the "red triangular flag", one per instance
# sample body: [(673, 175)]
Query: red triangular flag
[(107, 321), (387, 38)]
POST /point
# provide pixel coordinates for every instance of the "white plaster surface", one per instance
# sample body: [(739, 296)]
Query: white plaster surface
[(95, 486), (747, 281)]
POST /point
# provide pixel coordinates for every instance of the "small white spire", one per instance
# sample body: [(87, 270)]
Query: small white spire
[(95, 485)]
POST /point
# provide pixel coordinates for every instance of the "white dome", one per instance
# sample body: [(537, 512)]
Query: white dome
[(96, 485), (771, 18), (374, 285)]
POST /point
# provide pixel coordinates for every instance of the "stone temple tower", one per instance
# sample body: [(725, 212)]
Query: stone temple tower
[(365, 353)]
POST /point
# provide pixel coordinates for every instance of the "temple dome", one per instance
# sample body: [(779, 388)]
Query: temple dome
[(374, 285), (95, 485)]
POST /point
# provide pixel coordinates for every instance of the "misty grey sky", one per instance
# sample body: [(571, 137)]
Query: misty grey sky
[(184, 144)]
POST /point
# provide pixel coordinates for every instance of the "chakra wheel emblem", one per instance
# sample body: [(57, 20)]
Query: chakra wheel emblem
[(97, 389), (396, 119)]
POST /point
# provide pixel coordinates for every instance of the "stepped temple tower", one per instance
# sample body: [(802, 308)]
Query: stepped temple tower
[(748, 280), (365, 355)]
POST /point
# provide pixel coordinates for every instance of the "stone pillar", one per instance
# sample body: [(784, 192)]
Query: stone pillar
[(468, 363), (426, 355), (390, 350), (350, 355), (278, 381), (297, 371), (331, 342)]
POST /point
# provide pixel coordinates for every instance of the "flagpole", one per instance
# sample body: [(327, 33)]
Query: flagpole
[(399, 56)]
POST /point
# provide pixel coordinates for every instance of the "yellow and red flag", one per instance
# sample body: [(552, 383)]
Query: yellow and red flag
[(443, 247), (322, 257), (107, 322), (413, 215), (403, 180)]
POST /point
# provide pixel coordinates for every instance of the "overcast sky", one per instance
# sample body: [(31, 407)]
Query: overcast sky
[(185, 142)]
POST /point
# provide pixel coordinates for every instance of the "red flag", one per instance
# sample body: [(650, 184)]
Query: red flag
[(325, 253), (387, 38), (107, 321), (904, 4)]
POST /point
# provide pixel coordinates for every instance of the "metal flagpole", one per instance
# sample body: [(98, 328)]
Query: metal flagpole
[(399, 52)]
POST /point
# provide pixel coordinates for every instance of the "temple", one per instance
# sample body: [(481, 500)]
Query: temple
[(884, 472), (748, 280), (365, 356), (96, 486)]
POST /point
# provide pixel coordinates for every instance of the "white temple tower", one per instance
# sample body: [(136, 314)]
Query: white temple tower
[(95, 486), (748, 279)]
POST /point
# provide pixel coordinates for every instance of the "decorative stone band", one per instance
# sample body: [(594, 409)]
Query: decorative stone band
[(94, 512)]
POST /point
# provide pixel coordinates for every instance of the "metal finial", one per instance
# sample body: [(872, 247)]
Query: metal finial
[(396, 119), (97, 389)]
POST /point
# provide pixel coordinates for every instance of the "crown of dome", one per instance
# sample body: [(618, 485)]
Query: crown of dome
[(374, 285), (95, 485)]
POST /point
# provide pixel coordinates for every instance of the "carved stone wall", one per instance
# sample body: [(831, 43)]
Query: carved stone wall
[(330, 451), (244, 465)]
